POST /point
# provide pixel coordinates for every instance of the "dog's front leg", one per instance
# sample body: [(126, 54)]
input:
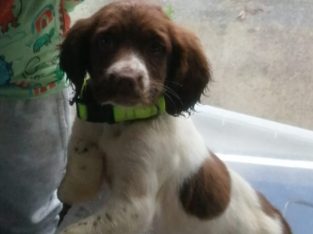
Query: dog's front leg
[(85, 167), (131, 206), (84, 174), (119, 216)]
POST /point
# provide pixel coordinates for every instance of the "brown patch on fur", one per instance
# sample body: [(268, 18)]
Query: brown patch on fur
[(207, 193), (108, 217), (273, 212), (135, 216), (189, 71)]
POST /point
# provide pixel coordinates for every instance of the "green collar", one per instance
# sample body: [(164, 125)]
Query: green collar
[(91, 111)]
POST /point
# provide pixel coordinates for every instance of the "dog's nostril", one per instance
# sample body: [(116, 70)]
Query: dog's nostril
[(122, 84), (125, 79)]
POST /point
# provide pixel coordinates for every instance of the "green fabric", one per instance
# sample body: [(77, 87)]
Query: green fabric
[(30, 32)]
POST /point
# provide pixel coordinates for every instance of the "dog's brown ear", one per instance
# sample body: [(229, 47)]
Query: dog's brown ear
[(74, 52), (188, 73)]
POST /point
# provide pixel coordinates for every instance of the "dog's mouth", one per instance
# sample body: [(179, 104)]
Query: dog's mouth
[(121, 100)]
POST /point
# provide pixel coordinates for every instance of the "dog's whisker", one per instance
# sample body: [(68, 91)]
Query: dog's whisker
[(169, 92), (174, 83), (169, 98), (173, 94)]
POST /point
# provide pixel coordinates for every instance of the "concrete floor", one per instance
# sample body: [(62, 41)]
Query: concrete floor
[(261, 54)]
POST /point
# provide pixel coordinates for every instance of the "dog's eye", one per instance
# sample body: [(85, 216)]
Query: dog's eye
[(106, 41), (157, 48)]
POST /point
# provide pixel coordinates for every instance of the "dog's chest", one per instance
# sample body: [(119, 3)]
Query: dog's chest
[(152, 140)]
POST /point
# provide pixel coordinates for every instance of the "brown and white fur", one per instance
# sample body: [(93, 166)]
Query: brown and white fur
[(162, 177)]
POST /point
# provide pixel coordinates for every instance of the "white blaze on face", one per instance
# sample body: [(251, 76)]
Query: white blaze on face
[(131, 64)]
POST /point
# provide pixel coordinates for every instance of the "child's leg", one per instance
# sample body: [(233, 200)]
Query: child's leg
[(33, 140)]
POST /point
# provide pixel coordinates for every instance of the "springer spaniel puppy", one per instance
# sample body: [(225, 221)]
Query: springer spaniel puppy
[(161, 175)]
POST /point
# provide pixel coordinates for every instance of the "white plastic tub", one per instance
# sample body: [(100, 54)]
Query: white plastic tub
[(277, 159)]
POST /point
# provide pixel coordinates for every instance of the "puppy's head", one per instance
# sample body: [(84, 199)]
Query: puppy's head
[(134, 54)]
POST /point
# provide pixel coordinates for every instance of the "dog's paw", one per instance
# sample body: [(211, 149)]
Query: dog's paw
[(82, 227), (84, 174), (73, 230)]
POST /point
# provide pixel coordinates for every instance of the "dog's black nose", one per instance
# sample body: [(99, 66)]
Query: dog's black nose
[(125, 81)]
